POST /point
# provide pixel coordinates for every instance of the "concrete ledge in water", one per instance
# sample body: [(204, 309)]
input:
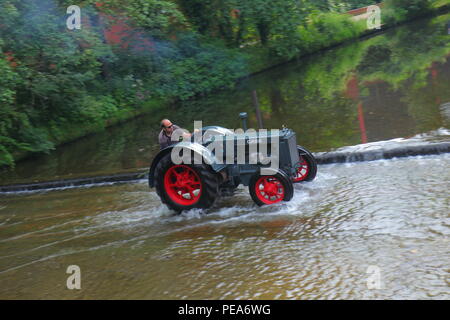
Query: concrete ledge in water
[(117, 178), (353, 154), (378, 154)]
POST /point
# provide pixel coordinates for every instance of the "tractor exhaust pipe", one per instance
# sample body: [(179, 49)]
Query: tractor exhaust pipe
[(243, 116)]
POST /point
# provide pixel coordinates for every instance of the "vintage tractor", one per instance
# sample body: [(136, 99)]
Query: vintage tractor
[(237, 158)]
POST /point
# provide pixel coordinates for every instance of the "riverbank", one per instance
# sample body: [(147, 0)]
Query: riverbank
[(262, 60), (70, 132), (257, 59)]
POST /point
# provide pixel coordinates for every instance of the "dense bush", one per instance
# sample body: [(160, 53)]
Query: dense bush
[(401, 10), (343, 6), (9, 117), (320, 30), (48, 70), (179, 69), (55, 80), (201, 67)]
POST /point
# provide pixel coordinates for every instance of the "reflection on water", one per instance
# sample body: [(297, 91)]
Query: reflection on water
[(393, 85), (391, 214)]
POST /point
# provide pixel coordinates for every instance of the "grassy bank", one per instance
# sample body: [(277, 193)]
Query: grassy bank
[(310, 40), (66, 131)]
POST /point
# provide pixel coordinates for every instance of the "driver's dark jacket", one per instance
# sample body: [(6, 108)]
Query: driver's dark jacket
[(164, 139)]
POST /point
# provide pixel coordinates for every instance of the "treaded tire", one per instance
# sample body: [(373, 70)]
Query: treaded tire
[(288, 188), (311, 162), (209, 185)]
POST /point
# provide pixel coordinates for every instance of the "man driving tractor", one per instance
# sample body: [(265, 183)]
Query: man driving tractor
[(165, 136)]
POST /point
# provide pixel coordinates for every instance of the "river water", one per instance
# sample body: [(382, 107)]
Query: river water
[(391, 215), (386, 219)]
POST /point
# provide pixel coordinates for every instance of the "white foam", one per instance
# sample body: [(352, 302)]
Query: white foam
[(415, 140)]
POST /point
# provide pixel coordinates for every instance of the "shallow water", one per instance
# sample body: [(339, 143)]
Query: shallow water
[(393, 215)]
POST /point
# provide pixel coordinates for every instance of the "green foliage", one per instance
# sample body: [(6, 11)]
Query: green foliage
[(96, 108), (9, 117), (342, 6), (270, 23), (243, 22), (52, 69), (200, 67), (54, 80), (409, 56), (319, 31), (216, 19), (401, 10), (288, 27), (155, 16), (58, 77)]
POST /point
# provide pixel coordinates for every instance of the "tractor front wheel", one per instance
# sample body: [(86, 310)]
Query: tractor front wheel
[(270, 189)]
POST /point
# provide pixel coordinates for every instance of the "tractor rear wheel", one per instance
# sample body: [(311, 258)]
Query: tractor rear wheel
[(184, 187), (308, 166), (270, 189)]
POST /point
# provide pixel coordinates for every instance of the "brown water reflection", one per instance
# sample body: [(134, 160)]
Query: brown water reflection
[(391, 214)]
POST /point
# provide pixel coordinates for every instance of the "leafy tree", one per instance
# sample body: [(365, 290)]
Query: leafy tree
[(157, 17), (9, 117), (400, 10), (53, 68)]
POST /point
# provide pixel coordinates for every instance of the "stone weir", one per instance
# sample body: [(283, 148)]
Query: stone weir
[(396, 148)]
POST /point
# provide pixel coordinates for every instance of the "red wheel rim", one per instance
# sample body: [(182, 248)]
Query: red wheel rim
[(269, 190), (302, 171), (183, 185)]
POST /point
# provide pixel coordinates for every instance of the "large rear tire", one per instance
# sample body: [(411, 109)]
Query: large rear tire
[(270, 189), (308, 166), (184, 187)]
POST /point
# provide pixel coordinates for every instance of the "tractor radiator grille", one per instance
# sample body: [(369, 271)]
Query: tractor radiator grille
[(292, 143)]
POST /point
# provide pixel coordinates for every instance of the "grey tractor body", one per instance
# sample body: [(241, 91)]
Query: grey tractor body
[(241, 169), (215, 161)]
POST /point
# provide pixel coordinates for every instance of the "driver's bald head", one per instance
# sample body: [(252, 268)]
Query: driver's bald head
[(165, 122)]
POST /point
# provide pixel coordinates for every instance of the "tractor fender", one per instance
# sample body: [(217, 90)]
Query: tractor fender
[(303, 151), (273, 171), (205, 133), (245, 178), (206, 155)]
